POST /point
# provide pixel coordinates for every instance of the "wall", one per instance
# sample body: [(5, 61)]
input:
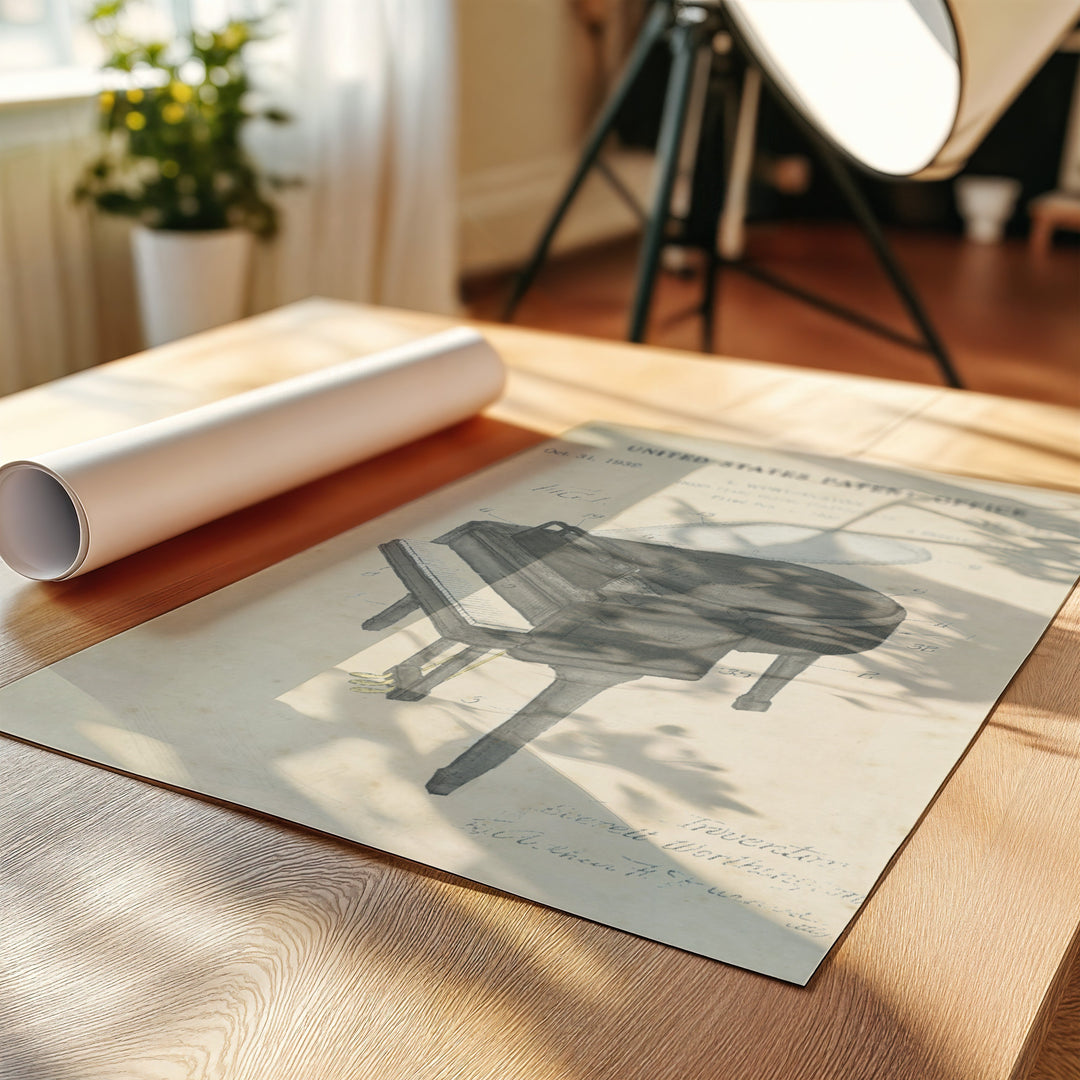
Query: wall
[(528, 89)]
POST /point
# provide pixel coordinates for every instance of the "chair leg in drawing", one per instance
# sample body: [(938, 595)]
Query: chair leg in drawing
[(409, 671), (776, 676), (388, 616), (570, 689), (410, 684)]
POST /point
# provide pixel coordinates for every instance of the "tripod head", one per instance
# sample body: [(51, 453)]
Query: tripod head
[(688, 12)]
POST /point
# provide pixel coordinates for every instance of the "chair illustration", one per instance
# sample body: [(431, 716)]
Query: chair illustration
[(601, 611)]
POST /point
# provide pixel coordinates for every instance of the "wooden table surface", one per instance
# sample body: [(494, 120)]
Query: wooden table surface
[(150, 934)]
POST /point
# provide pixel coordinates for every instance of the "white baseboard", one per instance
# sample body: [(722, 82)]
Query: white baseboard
[(503, 209)]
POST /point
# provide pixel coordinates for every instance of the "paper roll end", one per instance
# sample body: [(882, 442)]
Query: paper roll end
[(42, 534)]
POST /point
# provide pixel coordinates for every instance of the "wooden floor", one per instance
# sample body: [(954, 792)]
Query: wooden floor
[(1010, 320)]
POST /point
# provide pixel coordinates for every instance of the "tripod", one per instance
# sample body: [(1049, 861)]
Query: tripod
[(690, 27)]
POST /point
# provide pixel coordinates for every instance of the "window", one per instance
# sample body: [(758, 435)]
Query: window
[(47, 51), (37, 34)]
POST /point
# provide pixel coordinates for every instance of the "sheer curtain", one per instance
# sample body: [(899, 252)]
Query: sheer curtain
[(59, 289), (372, 87)]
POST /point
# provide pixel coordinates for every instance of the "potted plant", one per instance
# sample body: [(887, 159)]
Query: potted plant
[(172, 116)]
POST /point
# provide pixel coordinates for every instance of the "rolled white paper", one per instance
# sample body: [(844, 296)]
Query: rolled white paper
[(69, 511)]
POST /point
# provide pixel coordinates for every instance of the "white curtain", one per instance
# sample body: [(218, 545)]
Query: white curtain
[(372, 88), (49, 322)]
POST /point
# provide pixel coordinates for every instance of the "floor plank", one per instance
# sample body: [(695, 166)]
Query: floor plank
[(1010, 319)]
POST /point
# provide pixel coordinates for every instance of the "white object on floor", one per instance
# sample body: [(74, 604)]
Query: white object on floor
[(986, 203)]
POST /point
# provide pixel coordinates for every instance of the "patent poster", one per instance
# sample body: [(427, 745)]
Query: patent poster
[(697, 692)]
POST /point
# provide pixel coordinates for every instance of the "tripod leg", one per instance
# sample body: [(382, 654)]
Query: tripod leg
[(652, 31), (869, 223), (709, 285), (695, 130), (731, 233), (686, 38), (729, 195)]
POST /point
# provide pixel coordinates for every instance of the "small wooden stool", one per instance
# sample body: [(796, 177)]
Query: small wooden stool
[(1049, 212)]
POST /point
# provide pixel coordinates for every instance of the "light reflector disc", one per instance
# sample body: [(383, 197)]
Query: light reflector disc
[(880, 78)]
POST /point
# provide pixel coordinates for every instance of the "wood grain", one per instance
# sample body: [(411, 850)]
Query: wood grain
[(1010, 320), (150, 934)]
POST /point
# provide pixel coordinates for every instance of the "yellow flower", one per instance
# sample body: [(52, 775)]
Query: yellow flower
[(170, 168), (135, 96), (135, 121), (233, 36), (106, 100), (172, 113), (181, 92)]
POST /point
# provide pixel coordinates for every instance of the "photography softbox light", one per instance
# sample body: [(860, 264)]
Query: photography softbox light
[(906, 88)]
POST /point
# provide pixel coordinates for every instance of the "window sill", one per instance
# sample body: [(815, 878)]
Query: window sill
[(47, 87), (52, 86)]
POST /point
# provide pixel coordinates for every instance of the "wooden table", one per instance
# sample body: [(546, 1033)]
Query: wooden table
[(149, 934)]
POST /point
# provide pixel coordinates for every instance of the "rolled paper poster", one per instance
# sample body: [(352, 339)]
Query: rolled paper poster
[(69, 511)]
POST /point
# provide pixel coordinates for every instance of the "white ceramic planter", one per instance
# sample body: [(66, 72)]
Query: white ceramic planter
[(986, 203), (189, 281)]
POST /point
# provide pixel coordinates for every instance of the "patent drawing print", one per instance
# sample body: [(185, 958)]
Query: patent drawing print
[(600, 611)]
